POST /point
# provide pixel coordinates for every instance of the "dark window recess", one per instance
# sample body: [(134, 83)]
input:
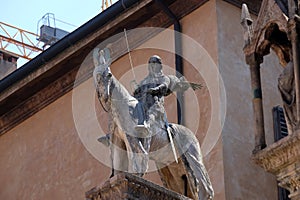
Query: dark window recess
[(283, 194), (279, 124), (280, 131)]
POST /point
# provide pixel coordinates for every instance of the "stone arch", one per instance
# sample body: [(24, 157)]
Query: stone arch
[(274, 36)]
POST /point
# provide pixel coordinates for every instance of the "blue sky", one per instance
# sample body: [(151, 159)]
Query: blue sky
[(26, 14)]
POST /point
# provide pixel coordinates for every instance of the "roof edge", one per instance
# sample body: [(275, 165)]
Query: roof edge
[(90, 26)]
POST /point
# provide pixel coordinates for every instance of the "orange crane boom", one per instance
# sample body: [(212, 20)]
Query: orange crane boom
[(20, 39)]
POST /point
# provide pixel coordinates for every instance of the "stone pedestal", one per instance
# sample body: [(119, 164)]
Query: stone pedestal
[(283, 160), (128, 186)]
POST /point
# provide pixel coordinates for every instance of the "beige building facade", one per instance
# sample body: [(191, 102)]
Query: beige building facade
[(51, 118)]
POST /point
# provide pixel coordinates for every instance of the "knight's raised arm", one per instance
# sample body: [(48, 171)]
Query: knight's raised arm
[(181, 84)]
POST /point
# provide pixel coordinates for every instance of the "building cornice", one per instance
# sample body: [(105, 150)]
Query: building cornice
[(253, 5)]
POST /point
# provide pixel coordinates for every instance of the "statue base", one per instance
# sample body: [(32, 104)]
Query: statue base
[(128, 186)]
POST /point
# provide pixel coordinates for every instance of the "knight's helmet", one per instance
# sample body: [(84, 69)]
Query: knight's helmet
[(155, 65)]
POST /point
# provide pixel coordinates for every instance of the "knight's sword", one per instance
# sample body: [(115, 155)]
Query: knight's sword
[(130, 60), (172, 144), (171, 138)]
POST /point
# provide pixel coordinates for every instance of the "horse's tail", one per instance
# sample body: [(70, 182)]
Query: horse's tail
[(189, 149)]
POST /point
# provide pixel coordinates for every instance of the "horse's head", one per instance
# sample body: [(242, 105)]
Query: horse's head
[(102, 74)]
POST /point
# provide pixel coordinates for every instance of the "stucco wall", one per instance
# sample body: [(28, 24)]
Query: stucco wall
[(201, 65), (243, 179), (43, 158)]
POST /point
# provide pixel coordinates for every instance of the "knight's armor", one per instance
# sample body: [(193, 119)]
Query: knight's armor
[(153, 88)]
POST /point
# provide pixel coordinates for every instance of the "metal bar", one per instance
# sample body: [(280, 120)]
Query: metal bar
[(19, 29), (23, 47), (20, 50), (5, 31), (6, 34), (32, 44), (16, 54), (23, 44), (18, 43), (11, 37)]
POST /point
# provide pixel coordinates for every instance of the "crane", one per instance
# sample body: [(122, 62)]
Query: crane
[(106, 4), (18, 42), (24, 44)]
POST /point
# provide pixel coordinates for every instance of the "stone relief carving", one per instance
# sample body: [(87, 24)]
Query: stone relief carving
[(281, 159), (274, 30), (277, 28), (127, 186), (286, 87), (142, 130)]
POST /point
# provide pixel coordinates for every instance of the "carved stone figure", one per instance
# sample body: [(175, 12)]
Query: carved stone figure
[(188, 175), (151, 91), (156, 84), (286, 87)]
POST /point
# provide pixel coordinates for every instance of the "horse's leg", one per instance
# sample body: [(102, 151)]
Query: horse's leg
[(112, 159), (197, 171), (188, 146), (137, 154), (111, 127), (174, 177), (118, 155)]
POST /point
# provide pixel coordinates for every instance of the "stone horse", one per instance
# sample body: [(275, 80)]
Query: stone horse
[(131, 151)]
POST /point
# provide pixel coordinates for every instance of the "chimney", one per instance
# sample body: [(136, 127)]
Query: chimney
[(8, 64)]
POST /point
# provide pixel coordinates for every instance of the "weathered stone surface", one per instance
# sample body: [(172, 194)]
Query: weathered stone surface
[(280, 154), (282, 159), (128, 186)]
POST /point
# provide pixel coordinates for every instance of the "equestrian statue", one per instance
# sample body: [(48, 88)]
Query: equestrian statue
[(140, 131)]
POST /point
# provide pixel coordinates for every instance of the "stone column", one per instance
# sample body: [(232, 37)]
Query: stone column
[(254, 62)]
